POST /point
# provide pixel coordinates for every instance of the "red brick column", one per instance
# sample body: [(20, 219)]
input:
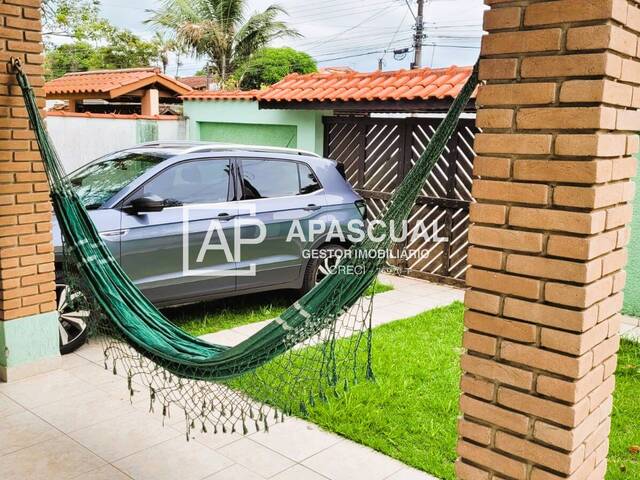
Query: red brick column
[(552, 184), (26, 252)]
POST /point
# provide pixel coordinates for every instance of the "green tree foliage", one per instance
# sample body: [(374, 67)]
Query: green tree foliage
[(96, 44), (123, 49), (79, 19), (219, 30), (70, 57), (120, 49), (270, 65)]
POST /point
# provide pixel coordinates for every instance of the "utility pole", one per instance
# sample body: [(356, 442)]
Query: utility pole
[(418, 36)]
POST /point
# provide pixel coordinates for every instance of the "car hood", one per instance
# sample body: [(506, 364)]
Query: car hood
[(104, 219)]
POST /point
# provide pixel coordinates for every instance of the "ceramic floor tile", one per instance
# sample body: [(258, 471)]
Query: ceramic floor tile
[(123, 436), (296, 439), (225, 337), (349, 461), (22, 430), (108, 472), (174, 459), (625, 328), (83, 411), (250, 329), (46, 388), (56, 459), (635, 321), (72, 360), (633, 334), (255, 457), (93, 374), (92, 351), (298, 472), (8, 406), (235, 472), (410, 474), (209, 439)]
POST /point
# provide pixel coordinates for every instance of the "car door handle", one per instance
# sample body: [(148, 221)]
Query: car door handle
[(223, 217), (312, 207), (113, 234)]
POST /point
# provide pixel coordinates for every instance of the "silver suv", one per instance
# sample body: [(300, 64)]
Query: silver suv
[(154, 206)]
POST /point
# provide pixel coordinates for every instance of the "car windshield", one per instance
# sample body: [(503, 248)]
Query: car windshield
[(98, 182)]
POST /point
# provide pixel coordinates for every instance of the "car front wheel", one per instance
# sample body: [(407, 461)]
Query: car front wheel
[(72, 319), (322, 265)]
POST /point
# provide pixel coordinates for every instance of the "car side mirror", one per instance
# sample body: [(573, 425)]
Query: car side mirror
[(146, 204)]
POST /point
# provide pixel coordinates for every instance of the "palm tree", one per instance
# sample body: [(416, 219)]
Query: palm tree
[(165, 48), (219, 31)]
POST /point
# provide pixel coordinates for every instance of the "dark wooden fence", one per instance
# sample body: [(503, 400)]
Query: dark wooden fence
[(377, 153)]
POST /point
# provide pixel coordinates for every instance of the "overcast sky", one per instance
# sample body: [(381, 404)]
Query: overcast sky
[(350, 32)]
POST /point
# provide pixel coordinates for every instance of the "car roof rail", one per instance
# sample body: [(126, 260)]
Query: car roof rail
[(212, 147)]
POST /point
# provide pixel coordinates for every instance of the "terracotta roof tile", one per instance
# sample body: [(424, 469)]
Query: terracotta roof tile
[(420, 84), (132, 116), (222, 95), (197, 82), (111, 82)]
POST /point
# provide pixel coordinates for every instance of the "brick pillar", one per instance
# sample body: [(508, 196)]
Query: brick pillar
[(548, 237), (28, 323), (150, 102)]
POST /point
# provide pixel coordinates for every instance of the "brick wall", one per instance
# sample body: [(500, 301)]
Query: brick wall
[(552, 182), (26, 253)]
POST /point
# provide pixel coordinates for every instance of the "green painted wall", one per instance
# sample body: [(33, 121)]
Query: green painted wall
[(202, 113), (632, 289), (29, 339), (258, 134), (146, 131)]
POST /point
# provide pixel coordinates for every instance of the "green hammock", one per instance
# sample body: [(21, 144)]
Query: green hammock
[(137, 322)]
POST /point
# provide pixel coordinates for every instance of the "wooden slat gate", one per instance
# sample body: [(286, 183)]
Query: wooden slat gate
[(377, 153)]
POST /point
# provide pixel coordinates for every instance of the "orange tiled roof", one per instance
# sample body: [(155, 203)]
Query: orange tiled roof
[(223, 95), (111, 83), (126, 116), (336, 70), (197, 82), (419, 84)]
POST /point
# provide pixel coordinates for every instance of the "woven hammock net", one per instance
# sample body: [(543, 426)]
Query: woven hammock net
[(316, 349)]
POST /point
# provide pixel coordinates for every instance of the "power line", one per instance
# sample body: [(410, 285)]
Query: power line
[(419, 36), (386, 50), (355, 55), (370, 17)]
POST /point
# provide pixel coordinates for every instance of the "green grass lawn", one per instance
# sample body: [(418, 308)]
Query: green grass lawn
[(410, 411), (211, 317), (625, 427)]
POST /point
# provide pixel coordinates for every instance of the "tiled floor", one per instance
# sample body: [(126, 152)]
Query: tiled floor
[(630, 328), (78, 423)]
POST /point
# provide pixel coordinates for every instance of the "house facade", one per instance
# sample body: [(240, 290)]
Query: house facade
[(236, 117)]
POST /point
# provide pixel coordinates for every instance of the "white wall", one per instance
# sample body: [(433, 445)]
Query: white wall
[(80, 140)]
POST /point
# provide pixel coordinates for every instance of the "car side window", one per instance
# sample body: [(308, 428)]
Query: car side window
[(269, 179), (308, 181), (200, 181)]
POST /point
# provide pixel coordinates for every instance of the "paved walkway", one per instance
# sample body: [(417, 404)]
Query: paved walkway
[(630, 328), (78, 423)]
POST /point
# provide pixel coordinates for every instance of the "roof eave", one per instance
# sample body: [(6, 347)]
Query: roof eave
[(368, 106)]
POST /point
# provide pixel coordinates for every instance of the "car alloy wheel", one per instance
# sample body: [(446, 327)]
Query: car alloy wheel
[(72, 320), (327, 266)]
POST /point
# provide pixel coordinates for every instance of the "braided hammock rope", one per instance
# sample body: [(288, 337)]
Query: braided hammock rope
[(320, 344)]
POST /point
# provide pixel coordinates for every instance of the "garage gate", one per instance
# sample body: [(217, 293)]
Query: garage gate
[(377, 153)]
